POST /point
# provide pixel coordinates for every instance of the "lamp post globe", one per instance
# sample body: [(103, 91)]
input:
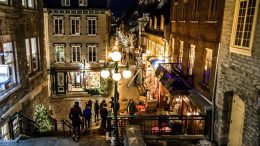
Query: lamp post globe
[(116, 76), (127, 73), (116, 56), (105, 73)]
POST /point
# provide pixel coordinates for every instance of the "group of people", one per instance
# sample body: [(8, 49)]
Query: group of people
[(102, 109), (76, 115)]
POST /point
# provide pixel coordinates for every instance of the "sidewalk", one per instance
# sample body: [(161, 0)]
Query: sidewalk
[(94, 138)]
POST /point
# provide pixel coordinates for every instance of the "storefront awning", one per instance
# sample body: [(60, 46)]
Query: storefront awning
[(172, 81), (199, 100)]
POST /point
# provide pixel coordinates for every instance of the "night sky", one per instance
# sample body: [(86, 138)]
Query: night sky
[(118, 7)]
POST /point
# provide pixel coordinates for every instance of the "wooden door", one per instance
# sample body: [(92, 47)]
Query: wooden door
[(236, 122)]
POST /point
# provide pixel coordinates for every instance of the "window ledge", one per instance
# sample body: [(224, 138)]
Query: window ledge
[(211, 22), (58, 35), (35, 75), (11, 91), (92, 35), (75, 35), (194, 21), (242, 51)]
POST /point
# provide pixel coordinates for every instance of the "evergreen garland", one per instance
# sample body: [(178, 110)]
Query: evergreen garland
[(41, 118)]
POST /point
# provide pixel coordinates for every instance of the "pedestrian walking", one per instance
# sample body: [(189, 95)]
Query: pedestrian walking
[(101, 105), (74, 115), (87, 115), (131, 108), (96, 110), (104, 114), (90, 104)]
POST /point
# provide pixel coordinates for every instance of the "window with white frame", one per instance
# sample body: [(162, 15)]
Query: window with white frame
[(65, 2), (92, 25), (195, 14), (184, 10), (3, 1), (213, 8), (207, 66), (180, 55), (24, 3), (244, 26), (59, 53), (8, 67), (32, 54), (30, 3), (92, 53), (191, 59), (83, 2), (34, 57), (75, 25), (58, 26), (75, 52)]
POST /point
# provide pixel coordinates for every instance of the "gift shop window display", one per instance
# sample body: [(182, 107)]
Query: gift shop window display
[(7, 67), (92, 80)]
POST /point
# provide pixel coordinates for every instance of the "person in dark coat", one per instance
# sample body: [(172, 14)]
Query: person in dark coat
[(74, 115), (96, 110), (101, 105), (90, 104), (104, 114), (87, 115), (131, 108)]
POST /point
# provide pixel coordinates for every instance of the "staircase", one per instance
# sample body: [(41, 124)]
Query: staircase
[(21, 126), (91, 137)]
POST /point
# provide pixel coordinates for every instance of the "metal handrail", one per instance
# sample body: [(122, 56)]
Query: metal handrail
[(23, 125), (68, 124), (167, 124)]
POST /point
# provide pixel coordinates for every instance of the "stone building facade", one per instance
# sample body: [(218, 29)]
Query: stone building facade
[(77, 34), (22, 59), (194, 40), (238, 75)]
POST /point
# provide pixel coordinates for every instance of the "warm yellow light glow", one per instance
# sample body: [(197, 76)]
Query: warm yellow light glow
[(127, 73), (116, 56), (116, 76), (105, 73)]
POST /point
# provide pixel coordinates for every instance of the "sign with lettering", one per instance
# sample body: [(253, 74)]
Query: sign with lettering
[(4, 74)]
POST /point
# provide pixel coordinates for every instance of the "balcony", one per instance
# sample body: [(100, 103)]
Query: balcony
[(157, 31)]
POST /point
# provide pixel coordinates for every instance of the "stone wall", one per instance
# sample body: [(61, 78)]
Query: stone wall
[(238, 74), (30, 88)]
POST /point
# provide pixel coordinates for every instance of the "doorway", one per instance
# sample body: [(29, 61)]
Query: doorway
[(236, 122)]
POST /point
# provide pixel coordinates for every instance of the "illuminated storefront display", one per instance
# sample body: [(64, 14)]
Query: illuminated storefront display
[(92, 80)]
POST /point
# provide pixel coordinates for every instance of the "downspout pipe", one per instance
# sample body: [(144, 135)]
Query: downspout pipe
[(214, 97)]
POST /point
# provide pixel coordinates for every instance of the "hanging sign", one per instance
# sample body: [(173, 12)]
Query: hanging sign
[(4, 74)]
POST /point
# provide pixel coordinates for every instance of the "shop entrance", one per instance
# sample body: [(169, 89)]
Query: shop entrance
[(75, 81), (236, 122)]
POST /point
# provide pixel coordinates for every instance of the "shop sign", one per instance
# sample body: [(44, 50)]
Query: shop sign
[(4, 74)]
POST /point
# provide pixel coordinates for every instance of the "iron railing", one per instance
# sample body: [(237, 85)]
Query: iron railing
[(66, 126), (166, 124), (20, 124)]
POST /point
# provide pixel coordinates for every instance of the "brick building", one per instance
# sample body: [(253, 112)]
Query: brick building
[(238, 90), (77, 34), (23, 81)]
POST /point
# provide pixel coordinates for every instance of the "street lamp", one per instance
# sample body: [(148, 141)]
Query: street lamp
[(116, 76)]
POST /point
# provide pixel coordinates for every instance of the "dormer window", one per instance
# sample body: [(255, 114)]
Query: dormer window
[(65, 2), (83, 2)]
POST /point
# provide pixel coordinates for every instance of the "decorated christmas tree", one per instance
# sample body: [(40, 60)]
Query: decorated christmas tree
[(41, 118)]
